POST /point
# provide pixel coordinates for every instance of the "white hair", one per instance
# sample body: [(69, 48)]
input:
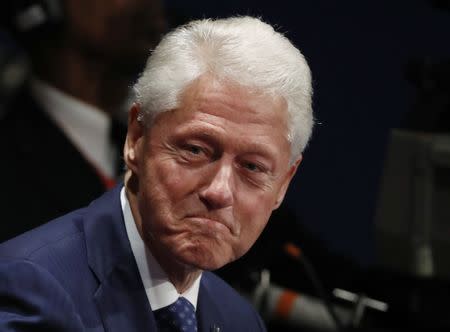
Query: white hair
[(244, 50)]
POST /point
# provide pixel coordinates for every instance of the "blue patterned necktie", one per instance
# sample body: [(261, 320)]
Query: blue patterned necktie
[(177, 317)]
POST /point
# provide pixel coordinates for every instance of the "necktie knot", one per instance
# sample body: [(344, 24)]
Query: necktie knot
[(177, 317)]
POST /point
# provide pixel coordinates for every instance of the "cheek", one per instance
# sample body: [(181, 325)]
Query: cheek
[(166, 176), (253, 215), (167, 187)]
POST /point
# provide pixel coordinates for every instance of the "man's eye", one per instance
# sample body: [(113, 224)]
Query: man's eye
[(194, 149), (252, 167)]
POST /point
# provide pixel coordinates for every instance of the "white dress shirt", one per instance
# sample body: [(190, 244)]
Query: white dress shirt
[(86, 126), (160, 291)]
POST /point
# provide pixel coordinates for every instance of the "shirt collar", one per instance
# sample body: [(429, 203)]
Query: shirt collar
[(86, 126), (160, 291)]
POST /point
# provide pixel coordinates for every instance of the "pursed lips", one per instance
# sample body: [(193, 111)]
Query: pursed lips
[(223, 221)]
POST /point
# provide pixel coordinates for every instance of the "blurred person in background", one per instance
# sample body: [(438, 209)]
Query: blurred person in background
[(65, 127)]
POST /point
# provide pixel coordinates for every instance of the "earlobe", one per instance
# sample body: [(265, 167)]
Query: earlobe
[(134, 135), (287, 180)]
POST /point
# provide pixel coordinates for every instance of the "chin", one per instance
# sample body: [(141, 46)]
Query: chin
[(205, 258)]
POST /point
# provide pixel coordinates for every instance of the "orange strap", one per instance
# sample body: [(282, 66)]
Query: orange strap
[(285, 304), (292, 250), (108, 182)]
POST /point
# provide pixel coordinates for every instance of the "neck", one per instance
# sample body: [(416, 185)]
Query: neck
[(180, 275), (98, 83)]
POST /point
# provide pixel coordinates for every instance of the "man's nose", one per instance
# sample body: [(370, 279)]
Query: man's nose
[(217, 193)]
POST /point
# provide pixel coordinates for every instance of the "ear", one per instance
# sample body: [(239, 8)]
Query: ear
[(286, 181), (133, 141)]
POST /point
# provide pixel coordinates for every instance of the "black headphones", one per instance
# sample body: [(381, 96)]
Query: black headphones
[(27, 16), (22, 21)]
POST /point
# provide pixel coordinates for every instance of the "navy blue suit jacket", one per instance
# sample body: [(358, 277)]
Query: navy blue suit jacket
[(78, 273), (46, 162)]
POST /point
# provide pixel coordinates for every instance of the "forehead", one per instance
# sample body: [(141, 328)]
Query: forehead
[(209, 97), (211, 108)]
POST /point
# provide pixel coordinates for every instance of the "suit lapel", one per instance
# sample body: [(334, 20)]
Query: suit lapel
[(208, 308), (122, 302), (120, 297), (69, 169), (41, 159)]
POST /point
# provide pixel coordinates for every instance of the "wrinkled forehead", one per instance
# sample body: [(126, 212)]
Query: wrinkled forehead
[(260, 104), (241, 108), (224, 112)]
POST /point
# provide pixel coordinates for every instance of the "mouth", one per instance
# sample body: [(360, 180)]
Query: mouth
[(213, 222)]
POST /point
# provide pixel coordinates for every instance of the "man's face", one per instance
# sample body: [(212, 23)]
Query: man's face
[(210, 173)]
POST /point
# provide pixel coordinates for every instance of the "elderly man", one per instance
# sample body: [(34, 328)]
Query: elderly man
[(222, 115)]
